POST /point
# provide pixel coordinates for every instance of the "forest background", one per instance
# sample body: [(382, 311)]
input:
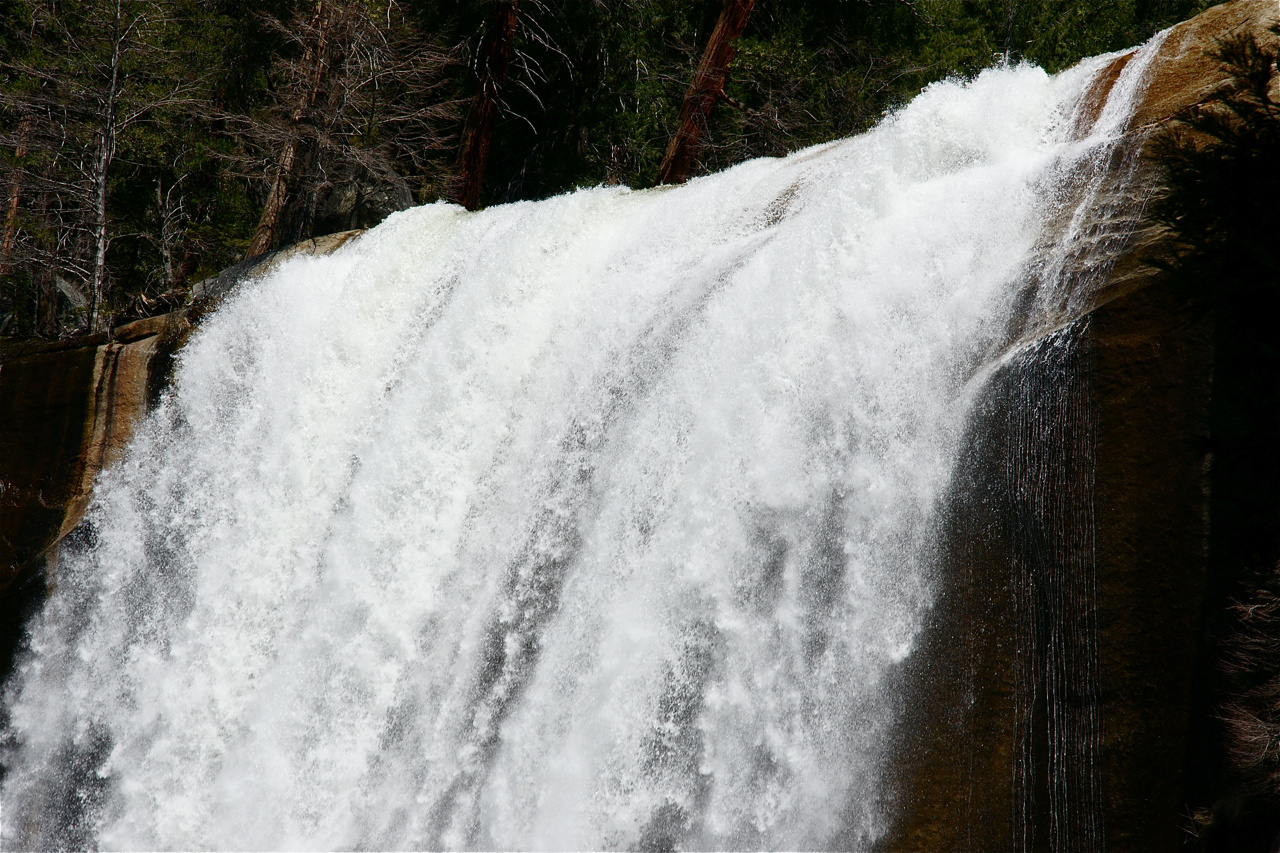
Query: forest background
[(147, 144)]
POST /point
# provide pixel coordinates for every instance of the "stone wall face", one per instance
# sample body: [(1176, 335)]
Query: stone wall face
[(67, 409), (45, 402), (1026, 676)]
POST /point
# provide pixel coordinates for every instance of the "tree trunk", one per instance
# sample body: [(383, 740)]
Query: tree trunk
[(706, 89), (10, 237), (46, 305), (102, 165), (265, 234), (492, 64), (313, 64)]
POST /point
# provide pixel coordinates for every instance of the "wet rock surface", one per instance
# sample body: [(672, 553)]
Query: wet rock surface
[(68, 409), (1052, 698)]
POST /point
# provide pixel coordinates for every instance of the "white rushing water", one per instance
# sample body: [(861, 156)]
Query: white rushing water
[(597, 522)]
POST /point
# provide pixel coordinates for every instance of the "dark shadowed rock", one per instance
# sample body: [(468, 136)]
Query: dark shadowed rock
[(359, 204)]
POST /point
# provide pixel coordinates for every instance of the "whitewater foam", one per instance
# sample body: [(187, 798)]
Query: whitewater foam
[(596, 522)]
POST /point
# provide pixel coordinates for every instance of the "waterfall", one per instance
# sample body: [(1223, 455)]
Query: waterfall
[(596, 522)]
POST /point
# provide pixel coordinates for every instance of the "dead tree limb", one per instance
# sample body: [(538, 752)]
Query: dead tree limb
[(492, 63), (707, 88), (122, 28)]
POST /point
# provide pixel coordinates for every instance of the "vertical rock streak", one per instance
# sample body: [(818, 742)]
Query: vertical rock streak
[(1050, 464), (600, 522), (1050, 471)]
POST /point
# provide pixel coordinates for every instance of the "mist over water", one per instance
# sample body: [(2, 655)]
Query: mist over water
[(596, 522)]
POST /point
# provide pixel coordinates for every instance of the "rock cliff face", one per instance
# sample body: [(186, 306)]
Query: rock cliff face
[(1054, 697), (67, 409)]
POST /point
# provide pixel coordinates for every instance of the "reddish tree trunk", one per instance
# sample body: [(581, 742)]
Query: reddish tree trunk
[(706, 89), (265, 234), (493, 62)]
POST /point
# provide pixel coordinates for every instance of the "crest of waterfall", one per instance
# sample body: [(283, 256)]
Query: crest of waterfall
[(597, 522)]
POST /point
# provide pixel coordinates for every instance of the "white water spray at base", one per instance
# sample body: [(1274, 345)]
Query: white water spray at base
[(591, 523)]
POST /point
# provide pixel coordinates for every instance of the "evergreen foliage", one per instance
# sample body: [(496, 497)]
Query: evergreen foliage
[(212, 93)]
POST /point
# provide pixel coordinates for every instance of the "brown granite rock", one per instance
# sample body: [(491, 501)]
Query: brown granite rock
[(1050, 698), (1185, 73), (68, 409), (46, 401)]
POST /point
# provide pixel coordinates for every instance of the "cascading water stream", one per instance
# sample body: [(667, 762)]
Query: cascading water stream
[(596, 522)]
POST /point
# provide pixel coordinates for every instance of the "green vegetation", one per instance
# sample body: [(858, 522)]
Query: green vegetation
[(601, 85), (145, 144)]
